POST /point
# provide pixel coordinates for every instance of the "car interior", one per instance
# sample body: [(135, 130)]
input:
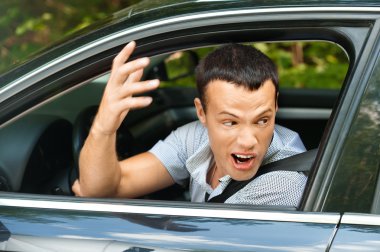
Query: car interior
[(41, 148)]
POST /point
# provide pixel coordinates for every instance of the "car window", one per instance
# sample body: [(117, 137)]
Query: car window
[(356, 181), (301, 65), (311, 76)]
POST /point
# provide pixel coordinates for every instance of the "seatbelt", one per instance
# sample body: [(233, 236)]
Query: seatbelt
[(301, 163)]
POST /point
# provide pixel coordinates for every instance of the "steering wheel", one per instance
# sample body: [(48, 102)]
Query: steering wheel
[(125, 142)]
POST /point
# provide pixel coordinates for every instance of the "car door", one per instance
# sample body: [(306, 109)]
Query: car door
[(72, 225)]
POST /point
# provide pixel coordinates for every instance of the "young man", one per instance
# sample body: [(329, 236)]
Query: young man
[(235, 135)]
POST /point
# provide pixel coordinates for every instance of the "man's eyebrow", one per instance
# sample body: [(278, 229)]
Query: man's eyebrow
[(264, 112), (227, 113), (233, 115)]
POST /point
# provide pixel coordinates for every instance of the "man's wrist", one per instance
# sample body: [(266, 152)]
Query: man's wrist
[(98, 131)]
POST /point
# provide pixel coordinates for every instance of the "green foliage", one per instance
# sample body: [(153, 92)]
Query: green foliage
[(314, 64), (27, 26)]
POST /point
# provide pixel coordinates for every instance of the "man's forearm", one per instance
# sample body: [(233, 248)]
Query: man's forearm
[(99, 167)]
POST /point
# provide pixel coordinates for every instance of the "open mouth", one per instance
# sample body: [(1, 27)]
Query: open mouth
[(241, 159)]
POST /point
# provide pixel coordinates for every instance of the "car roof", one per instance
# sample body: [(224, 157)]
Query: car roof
[(183, 6), (152, 9)]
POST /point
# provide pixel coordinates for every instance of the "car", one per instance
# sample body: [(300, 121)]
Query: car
[(47, 106)]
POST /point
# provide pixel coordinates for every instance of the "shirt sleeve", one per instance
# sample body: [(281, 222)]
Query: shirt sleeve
[(177, 148), (280, 188)]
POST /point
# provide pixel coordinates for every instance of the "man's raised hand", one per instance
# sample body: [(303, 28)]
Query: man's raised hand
[(123, 84)]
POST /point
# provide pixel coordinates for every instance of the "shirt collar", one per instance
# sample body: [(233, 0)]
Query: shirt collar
[(199, 163)]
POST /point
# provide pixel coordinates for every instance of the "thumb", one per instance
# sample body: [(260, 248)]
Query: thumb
[(76, 189)]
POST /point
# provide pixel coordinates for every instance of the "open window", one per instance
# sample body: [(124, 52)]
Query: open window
[(49, 138)]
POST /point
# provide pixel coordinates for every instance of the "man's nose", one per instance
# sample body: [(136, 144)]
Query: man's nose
[(247, 138)]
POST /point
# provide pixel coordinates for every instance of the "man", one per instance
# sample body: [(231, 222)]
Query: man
[(235, 135)]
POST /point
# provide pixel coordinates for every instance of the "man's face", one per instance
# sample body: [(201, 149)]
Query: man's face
[(240, 126)]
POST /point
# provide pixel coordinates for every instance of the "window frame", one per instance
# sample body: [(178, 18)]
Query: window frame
[(271, 27)]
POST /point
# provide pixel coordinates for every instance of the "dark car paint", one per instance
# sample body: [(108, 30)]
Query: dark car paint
[(336, 186), (169, 232), (362, 235)]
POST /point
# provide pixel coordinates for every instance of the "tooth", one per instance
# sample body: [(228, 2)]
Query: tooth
[(244, 156)]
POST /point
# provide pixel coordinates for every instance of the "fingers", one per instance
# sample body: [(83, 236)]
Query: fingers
[(124, 83), (120, 75), (136, 102), (76, 188), (122, 71), (127, 99), (135, 76), (124, 54), (138, 88)]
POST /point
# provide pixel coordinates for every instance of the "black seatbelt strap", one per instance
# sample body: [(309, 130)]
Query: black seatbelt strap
[(301, 163)]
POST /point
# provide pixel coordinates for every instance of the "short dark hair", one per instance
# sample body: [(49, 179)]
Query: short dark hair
[(239, 64)]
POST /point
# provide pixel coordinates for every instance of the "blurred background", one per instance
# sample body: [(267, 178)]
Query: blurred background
[(27, 26)]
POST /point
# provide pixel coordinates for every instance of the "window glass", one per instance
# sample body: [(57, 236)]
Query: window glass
[(357, 175)]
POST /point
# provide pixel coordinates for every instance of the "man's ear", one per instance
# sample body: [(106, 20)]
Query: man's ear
[(200, 111)]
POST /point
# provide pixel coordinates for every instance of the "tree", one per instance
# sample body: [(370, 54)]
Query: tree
[(27, 26)]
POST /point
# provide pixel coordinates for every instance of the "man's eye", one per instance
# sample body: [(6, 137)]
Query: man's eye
[(263, 121), (229, 123)]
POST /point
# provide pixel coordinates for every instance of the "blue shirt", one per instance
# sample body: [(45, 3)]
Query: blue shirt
[(187, 156)]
